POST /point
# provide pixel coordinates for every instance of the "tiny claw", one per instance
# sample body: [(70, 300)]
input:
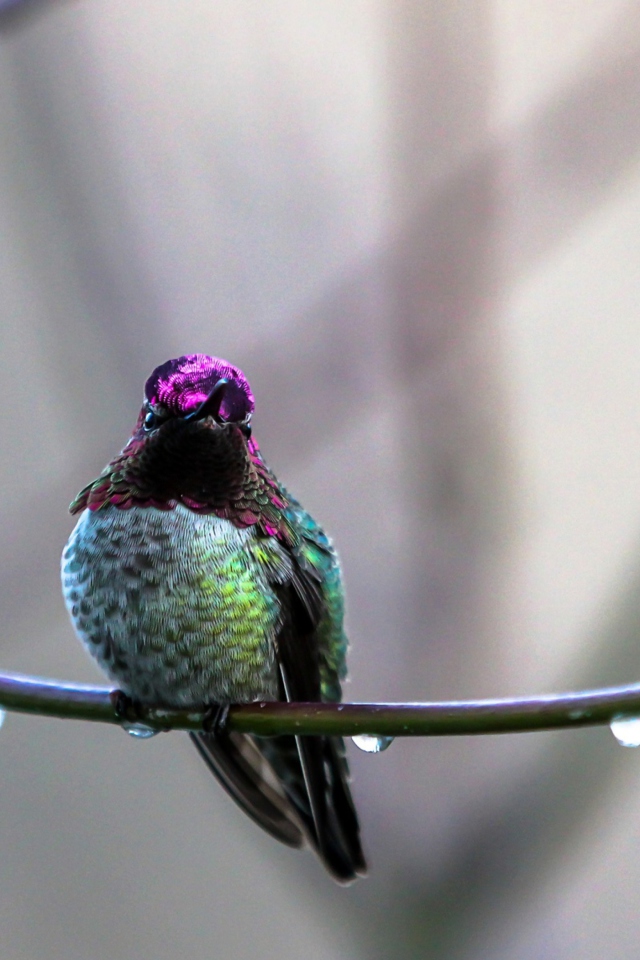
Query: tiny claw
[(215, 719), (125, 708)]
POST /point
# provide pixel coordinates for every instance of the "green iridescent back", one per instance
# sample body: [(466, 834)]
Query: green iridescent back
[(317, 551)]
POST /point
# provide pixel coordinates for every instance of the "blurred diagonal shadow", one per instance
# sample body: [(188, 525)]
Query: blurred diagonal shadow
[(511, 846), (443, 274), (81, 238), (16, 14), (432, 283)]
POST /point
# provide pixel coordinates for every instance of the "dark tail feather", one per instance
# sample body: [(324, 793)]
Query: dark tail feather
[(343, 805), (237, 762), (295, 788), (313, 773), (332, 823)]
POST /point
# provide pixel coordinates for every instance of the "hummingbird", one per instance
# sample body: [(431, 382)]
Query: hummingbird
[(196, 580)]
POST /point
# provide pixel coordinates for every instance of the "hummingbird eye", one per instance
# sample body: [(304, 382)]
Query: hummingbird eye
[(151, 421), (245, 427)]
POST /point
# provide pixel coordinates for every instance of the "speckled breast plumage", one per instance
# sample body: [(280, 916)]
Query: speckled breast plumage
[(173, 604)]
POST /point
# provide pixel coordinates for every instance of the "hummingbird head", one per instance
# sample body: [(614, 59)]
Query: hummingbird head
[(192, 445), (192, 441), (193, 388)]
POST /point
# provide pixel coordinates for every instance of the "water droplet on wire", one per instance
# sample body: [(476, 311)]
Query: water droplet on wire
[(626, 730), (139, 730), (371, 742)]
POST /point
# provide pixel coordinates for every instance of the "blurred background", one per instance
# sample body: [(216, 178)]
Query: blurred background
[(415, 225)]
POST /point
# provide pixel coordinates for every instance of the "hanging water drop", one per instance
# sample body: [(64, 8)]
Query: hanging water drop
[(3, 714), (139, 730), (626, 730), (371, 742)]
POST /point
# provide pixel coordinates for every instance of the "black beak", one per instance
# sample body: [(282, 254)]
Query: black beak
[(211, 406)]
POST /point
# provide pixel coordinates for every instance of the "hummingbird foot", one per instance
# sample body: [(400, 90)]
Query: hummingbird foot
[(130, 713), (215, 719), (126, 708)]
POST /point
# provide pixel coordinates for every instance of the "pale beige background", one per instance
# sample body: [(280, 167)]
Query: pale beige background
[(416, 225)]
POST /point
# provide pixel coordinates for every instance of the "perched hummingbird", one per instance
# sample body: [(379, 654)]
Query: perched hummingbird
[(194, 578)]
